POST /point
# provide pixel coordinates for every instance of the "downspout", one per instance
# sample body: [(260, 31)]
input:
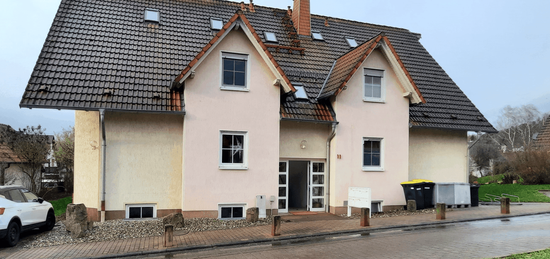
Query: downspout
[(103, 156), (330, 137)]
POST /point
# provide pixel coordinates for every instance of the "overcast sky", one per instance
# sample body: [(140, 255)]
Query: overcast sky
[(498, 52)]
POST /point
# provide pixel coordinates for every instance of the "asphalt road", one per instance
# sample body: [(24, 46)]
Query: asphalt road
[(481, 239)]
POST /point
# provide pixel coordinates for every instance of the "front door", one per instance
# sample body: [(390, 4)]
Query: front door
[(316, 201), (301, 186)]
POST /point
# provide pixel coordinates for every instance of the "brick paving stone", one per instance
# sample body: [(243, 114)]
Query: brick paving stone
[(296, 227)]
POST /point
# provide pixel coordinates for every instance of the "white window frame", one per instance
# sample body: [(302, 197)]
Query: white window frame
[(128, 206), (238, 56), (151, 10), (374, 168), (234, 166), (382, 98), (222, 205)]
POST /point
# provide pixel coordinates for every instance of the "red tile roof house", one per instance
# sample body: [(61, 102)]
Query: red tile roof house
[(200, 106), (543, 138)]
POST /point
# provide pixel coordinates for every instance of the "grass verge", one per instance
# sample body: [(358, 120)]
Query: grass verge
[(526, 193), (60, 206), (532, 255)]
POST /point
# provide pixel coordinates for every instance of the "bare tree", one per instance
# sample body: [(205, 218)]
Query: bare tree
[(517, 126), (31, 146), (64, 156)]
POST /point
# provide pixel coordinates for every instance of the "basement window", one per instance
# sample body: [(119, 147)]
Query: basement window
[(316, 35), (270, 36), (351, 42), (152, 15), (140, 211), (231, 211), (216, 23)]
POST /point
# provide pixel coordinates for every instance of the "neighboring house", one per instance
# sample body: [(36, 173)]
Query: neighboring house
[(542, 140), (15, 165), (201, 106)]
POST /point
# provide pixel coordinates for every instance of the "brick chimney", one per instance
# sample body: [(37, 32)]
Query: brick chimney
[(301, 17)]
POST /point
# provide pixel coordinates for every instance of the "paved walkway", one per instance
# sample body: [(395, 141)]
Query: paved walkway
[(290, 230)]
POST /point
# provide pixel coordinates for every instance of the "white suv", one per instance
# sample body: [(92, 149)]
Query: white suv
[(22, 210)]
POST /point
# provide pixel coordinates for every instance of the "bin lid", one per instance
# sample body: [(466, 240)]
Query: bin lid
[(414, 181)]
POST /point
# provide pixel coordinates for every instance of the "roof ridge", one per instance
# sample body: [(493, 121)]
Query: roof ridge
[(325, 16)]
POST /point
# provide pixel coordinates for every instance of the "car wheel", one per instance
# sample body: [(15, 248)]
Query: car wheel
[(12, 237), (50, 222)]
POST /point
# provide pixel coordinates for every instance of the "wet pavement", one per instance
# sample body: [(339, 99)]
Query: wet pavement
[(321, 227), (479, 239)]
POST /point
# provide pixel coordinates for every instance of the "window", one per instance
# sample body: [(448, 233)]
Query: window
[(316, 35), (270, 36), (234, 71), (233, 153), (216, 24), (300, 92), (139, 211), (16, 196), (31, 197), (351, 42), (152, 15), (374, 89), (231, 211), (372, 154)]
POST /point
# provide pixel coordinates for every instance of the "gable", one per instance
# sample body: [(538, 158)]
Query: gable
[(238, 21)]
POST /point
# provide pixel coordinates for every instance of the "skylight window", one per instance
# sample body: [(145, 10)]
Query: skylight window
[(316, 35), (270, 36), (300, 92), (152, 15), (351, 42), (216, 24)]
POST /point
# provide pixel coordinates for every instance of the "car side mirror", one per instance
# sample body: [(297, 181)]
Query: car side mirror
[(40, 200)]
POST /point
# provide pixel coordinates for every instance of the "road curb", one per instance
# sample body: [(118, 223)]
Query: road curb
[(305, 238)]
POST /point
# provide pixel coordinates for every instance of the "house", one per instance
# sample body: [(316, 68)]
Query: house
[(542, 140), (211, 107), (14, 166)]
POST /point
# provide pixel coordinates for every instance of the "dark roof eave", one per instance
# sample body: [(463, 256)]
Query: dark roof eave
[(97, 109), (442, 127), (310, 121)]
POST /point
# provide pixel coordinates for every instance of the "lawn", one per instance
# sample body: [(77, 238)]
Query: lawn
[(60, 206), (526, 193), (533, 255)]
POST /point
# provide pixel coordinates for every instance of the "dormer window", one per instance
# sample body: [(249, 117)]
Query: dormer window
[(316, 35), (152, 15), (270, 36), (300, 92), (351, 42), (216, 24)]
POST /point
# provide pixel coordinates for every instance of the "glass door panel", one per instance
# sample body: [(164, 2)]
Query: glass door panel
[(283, 187), (317, 186)]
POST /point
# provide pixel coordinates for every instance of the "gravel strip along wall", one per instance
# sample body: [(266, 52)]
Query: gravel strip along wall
[(124, 229)]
